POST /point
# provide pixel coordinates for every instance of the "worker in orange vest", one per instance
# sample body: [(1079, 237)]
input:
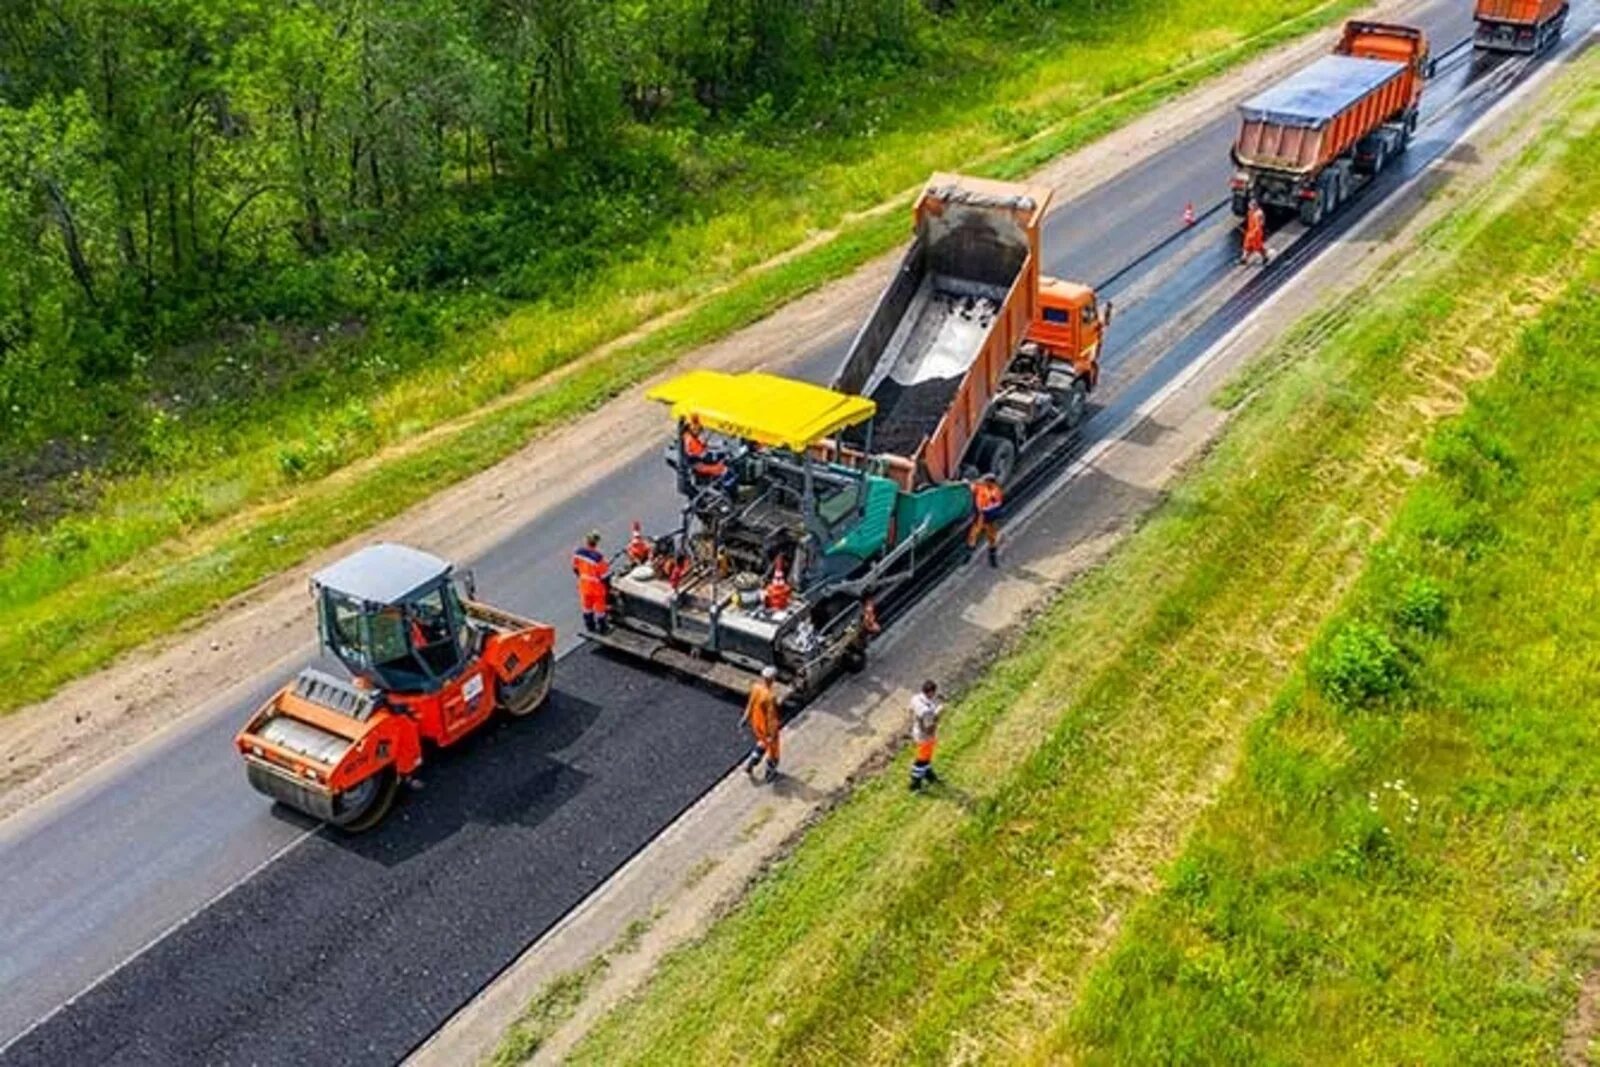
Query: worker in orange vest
[(1255, 233), (761, 715), (926, 707), (594, 584), (987, 500), (706, 464), (776, 596), (639, 547)]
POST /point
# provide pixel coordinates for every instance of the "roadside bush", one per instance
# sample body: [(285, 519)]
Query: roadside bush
[(1421, 607), (1358, 665)]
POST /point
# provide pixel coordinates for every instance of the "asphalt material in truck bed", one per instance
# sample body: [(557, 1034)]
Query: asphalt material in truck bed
[(908, 413), (354, 949)]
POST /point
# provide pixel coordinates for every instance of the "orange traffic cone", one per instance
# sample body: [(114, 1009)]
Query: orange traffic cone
[(1188, 213)]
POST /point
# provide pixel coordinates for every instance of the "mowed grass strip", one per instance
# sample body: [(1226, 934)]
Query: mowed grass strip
[(237, 500), (1407, 868), (962, 925)]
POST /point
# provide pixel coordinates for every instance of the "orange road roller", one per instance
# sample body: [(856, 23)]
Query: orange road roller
[(427, 664)]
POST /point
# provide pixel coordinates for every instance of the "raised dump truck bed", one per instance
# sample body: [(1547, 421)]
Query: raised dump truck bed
[(1518, 25), (935, 354), (1305, 143)]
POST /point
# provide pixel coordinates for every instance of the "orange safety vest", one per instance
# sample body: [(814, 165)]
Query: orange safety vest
[(1255, 230), (761, 710), (777, 593), (592, 571), (986, 496), (695, 450)]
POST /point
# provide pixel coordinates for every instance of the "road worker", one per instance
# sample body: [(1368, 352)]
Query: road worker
[(638, 546), (777, 593), (987, 501), (705, 463), (925, 710), (761, 715), (1255, 233), (594, 584)]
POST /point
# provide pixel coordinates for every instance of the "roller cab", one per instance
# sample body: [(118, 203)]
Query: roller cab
[(426, 665)]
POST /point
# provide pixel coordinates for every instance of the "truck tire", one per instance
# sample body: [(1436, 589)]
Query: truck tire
[(995, 455), (1311, 211), (1075, 403), (1241, 204)]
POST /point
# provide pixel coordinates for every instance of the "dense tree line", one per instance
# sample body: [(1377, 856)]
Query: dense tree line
[(168, 163)]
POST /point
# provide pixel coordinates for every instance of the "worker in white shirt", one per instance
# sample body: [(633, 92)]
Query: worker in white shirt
[(925, 709)]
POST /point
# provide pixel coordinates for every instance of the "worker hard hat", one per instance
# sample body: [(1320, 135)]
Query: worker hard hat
[(694, 420), (769, 672), (593, 537), (988, 476)]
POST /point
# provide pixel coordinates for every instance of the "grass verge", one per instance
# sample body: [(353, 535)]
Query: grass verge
[(965, 925), (223, 510)]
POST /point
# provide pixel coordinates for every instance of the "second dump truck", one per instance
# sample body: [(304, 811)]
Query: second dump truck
[(972, 362), (1525, 26), (1306, 144)]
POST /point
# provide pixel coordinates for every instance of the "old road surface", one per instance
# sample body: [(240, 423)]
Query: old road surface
[(161, 912)]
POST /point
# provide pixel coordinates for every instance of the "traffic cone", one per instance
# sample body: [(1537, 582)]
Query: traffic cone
[(1188, 213)]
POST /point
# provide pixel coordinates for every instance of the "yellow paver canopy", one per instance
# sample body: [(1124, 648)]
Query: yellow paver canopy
[(762, 407)]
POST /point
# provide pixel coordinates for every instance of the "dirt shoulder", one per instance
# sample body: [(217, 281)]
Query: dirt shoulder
[(106, 714)]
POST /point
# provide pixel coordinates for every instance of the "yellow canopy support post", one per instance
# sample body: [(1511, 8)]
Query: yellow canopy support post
[(763, 408)]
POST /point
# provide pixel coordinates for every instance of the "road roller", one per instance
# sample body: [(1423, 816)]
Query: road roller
[(425, 663)]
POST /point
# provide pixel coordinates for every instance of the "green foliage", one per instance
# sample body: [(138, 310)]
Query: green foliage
[(1358, 665)]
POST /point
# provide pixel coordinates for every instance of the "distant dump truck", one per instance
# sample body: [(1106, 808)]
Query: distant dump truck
[(1518, 25), (1309, 142)]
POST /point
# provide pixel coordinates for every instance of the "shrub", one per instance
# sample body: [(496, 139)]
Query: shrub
[(1421, 607), (1358, 665)]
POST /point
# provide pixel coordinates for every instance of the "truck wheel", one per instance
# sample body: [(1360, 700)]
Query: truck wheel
[(1075, 403), (525, 695), (997, 456), (1241, 204), (364, 805), (1311, 210)]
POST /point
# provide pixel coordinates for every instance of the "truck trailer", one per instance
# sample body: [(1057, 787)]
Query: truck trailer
[(1306, 144), (1525, 26), (971, 362)]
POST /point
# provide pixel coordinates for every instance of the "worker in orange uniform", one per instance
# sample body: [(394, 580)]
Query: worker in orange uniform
[(639, 547), (1255, 233), (926, 707), (987, 500), (705, 463), (777, 593), (594, 584), (761, 714)]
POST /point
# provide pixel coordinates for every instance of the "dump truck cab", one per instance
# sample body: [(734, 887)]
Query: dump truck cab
[(427, 665), (1069, 323)]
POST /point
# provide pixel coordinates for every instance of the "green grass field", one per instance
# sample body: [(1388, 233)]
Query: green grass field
[(227, 500), (1300, 773)]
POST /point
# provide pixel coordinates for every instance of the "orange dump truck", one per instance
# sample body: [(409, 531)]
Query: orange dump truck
[(1307, 143), (1518, 25), (972, 355)]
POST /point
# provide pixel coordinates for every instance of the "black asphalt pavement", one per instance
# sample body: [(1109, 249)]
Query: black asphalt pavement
[(331, 949)]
